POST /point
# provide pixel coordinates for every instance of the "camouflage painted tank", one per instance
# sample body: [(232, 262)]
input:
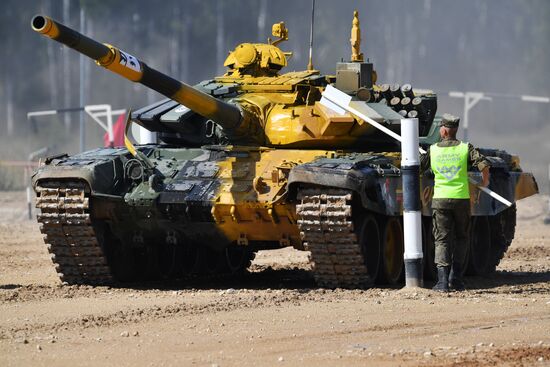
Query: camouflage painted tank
[(251, 160)]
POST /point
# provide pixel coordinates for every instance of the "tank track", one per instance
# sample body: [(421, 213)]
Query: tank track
[(503, 228), (326, 227), (69, 235)]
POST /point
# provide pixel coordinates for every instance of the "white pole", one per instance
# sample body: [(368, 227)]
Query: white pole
[(470, 100), (104, 110), (412, 219), (146, 136), (41, 113), (493, 194), (94, 111), (537, 99)]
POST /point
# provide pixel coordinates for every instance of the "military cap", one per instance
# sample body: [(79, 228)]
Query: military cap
[(449, 120)]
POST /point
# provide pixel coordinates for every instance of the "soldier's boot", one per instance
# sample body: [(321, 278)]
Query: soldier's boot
[(455, 278), (442, 284)]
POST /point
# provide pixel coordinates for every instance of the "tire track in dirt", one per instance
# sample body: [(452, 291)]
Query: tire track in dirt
[(211, 302)]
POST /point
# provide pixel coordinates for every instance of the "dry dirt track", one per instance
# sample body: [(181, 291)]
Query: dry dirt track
[(273, 315)]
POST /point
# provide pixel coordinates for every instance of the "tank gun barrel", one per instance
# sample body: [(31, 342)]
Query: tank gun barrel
[(227, 115)]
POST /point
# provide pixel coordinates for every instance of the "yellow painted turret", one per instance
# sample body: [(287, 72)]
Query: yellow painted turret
[(259, 59), (254, 103)]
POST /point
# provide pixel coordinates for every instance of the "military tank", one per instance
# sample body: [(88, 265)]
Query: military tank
[(251, 160)]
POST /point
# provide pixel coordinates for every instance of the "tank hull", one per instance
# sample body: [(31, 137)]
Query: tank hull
[(209, 209)]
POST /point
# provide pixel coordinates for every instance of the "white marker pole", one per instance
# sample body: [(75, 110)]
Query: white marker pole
[(412, 219), (410, 174)]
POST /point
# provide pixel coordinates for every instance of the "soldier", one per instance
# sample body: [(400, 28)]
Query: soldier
[(449, 161)]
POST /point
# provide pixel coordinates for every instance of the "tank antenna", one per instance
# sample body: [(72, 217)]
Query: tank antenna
[(310, 63)]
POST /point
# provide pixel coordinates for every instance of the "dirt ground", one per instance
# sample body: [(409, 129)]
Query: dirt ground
[(273, 315)]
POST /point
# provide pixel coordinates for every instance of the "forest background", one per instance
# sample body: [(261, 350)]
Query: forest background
[(492, 46)]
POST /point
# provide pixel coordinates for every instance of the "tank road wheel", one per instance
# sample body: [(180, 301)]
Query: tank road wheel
[(428, 249), (124, 263), (146, 260), (369, 239), (237, 258), (191, 262), (480, 246), (169, 258), (211, 260), (503, 228), (391, 261)]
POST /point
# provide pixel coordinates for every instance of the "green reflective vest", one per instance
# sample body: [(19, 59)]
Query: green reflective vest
[(450, 167)]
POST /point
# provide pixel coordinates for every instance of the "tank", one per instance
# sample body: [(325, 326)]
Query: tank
[(252, 160)]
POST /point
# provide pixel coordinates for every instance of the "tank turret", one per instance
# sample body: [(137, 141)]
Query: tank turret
[(259, 59), (253, 103), (234, 120)]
